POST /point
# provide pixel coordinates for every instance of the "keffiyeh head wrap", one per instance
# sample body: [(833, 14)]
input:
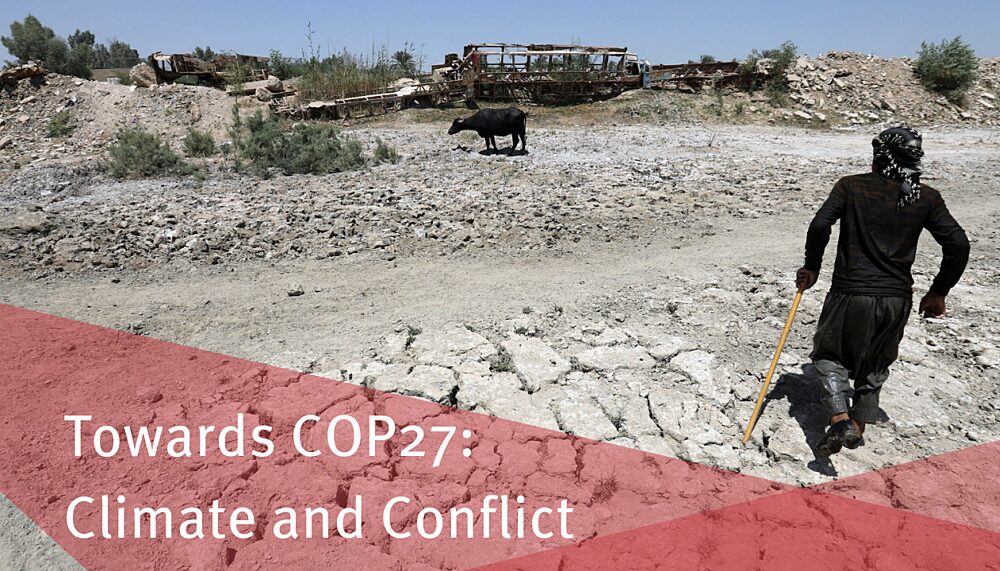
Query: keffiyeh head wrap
[(897, 157)]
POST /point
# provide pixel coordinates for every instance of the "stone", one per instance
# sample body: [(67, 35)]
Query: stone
[(430, 382), (150, 395), (674, 411), (611, 336), (615, 357), (697, 365), (473, 367), (580, 415), (142, 75), (478, 390), (989, 358), (24, 221), (788, 442), (657, 445), (357, 373), (723, 456), (665, 347), (296, 290), (535, 362), (456, 340), (395, 344), (5, 142), (629, 413), (501, 396)]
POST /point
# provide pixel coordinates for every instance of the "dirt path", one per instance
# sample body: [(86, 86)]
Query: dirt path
[(247, 312)]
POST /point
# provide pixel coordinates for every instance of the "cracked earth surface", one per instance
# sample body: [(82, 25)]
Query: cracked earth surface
[(646, 317)]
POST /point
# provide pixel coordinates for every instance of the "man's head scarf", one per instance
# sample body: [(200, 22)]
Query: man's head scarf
[(898, 151)]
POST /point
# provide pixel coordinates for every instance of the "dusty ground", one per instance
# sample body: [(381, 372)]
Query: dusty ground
[(653, 261), (625, 282)]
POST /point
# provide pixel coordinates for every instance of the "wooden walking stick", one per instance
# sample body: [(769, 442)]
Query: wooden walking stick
[(774, 365)]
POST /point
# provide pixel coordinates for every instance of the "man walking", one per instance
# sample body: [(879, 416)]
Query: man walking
[(881, 216)]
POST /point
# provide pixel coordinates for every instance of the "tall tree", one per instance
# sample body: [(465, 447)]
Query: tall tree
[(101, 57), (81, 54), (122, 54), (84, 38), (29, 40), (404, 60), (204, 54)]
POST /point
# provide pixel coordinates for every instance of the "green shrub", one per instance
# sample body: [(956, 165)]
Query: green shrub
[(385, 153), (303, 149), (138, 154), (123, 77), (199, 144), (59, 125), (283, 67), (775, 82), (949, 68)]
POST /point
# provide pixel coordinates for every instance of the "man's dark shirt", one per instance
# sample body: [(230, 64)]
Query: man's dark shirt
[(878, 239)]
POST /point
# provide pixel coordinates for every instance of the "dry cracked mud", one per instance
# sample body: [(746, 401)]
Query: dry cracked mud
[(622, 283), (625, 284)]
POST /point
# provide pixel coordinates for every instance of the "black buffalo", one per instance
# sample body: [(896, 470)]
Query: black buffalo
[(489, 123)]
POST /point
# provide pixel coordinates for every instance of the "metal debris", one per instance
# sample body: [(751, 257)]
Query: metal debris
[(522, 72), (14, 74), (216, 72)]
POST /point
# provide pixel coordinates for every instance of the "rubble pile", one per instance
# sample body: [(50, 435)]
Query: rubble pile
[(858, 89), (97, 111)]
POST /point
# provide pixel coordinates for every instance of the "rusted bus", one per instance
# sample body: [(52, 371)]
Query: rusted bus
[(550, 71), (532, 58)]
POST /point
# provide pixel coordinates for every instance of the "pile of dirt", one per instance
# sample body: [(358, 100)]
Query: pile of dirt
[(859, 89), (97, 111)]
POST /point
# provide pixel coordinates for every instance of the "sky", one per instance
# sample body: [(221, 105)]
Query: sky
[(661, 32)]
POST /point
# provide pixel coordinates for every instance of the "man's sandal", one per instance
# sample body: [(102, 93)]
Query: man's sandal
[(839, 435)]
